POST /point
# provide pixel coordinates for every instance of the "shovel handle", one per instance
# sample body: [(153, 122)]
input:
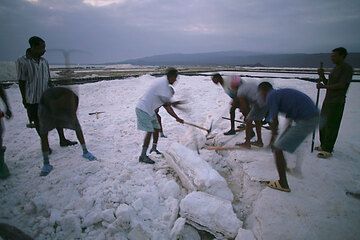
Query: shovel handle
[(194, 125)]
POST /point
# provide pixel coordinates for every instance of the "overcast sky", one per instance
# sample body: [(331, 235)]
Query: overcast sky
[(114, 30)]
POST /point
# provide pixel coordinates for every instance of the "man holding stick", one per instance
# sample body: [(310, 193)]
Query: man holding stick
[(159, 94), (333, 106), (230, 85), (254, 109)]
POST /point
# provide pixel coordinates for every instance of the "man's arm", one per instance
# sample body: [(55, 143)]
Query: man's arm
[(322, 78), (343, 83), (5, 100), (22, 86), (274, 126), (172, 113)]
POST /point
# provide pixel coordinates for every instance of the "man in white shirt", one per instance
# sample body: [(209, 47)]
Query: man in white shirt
[(230, 85), (34, 79), (254, 109), (159, 94)]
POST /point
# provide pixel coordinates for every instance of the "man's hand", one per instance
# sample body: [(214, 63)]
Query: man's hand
[(320, 85), (179, 120), (321, 72), (8, 114)]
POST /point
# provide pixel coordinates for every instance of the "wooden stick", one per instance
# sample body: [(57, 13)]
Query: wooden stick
[(194, 125), (93, 113), (239, 121), (317, 104), (220, 148)]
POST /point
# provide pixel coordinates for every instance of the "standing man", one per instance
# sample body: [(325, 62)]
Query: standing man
[(34, 79), (159, 94), (333, 106), (230, 85), (254, 109), (297, 107), (4, 171), (20, 62)]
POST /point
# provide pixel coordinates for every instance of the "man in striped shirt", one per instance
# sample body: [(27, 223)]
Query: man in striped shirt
[(34, 79), (19, 63)]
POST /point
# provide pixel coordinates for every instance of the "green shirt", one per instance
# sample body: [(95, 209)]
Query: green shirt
[(340, 74)]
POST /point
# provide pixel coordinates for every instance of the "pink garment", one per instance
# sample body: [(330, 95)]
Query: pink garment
[(235, 82)]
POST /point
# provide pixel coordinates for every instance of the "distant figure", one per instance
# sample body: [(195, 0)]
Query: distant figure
[(230, 85), (57, 109), (20, 63), (159, 94), (333, 106), (34, 79), (4, 171), (254, 109), (298, 107)]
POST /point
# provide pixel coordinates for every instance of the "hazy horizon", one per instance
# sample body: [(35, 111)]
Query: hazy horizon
[(115, 30)]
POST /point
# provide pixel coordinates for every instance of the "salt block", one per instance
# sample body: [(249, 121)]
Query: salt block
[(170, 189), (245, 234), (71, 227), (210, 213), (189, 233), (172, 207), (30, 208), (178, 227), (138, 204), (92, 218), (195, 173), (108, 215), (55, 216), (137, 233), (124, 212)]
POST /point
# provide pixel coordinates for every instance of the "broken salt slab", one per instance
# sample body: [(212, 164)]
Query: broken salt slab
[(195, 173), (210, 213), (245, 234)]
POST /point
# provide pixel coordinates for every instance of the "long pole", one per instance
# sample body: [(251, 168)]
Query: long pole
[(317, 105)]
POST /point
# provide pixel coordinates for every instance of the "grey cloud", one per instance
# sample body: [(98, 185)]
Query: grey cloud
[(135, 28)]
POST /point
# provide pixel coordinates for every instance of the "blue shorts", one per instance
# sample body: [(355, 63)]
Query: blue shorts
[(291, 139), (145, 122)]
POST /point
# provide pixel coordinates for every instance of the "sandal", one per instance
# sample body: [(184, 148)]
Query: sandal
[(324, 154), (257, 144), (276, 185), (318, 148)]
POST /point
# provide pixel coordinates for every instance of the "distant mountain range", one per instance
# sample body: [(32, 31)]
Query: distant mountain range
[(242, 58)]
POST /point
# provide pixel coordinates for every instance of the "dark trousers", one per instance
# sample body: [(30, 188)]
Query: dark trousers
[(332, 112), (32, 111)]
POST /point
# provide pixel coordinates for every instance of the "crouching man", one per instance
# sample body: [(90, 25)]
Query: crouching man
[(57, 109), (159, 94), (298, 107)]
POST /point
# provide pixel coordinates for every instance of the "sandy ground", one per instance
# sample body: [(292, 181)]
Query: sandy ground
[(80, 199)]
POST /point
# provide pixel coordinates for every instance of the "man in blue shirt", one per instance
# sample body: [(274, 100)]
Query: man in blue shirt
[(296, 106)]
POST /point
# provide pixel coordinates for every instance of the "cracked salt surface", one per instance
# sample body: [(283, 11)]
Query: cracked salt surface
[(119, 198)]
